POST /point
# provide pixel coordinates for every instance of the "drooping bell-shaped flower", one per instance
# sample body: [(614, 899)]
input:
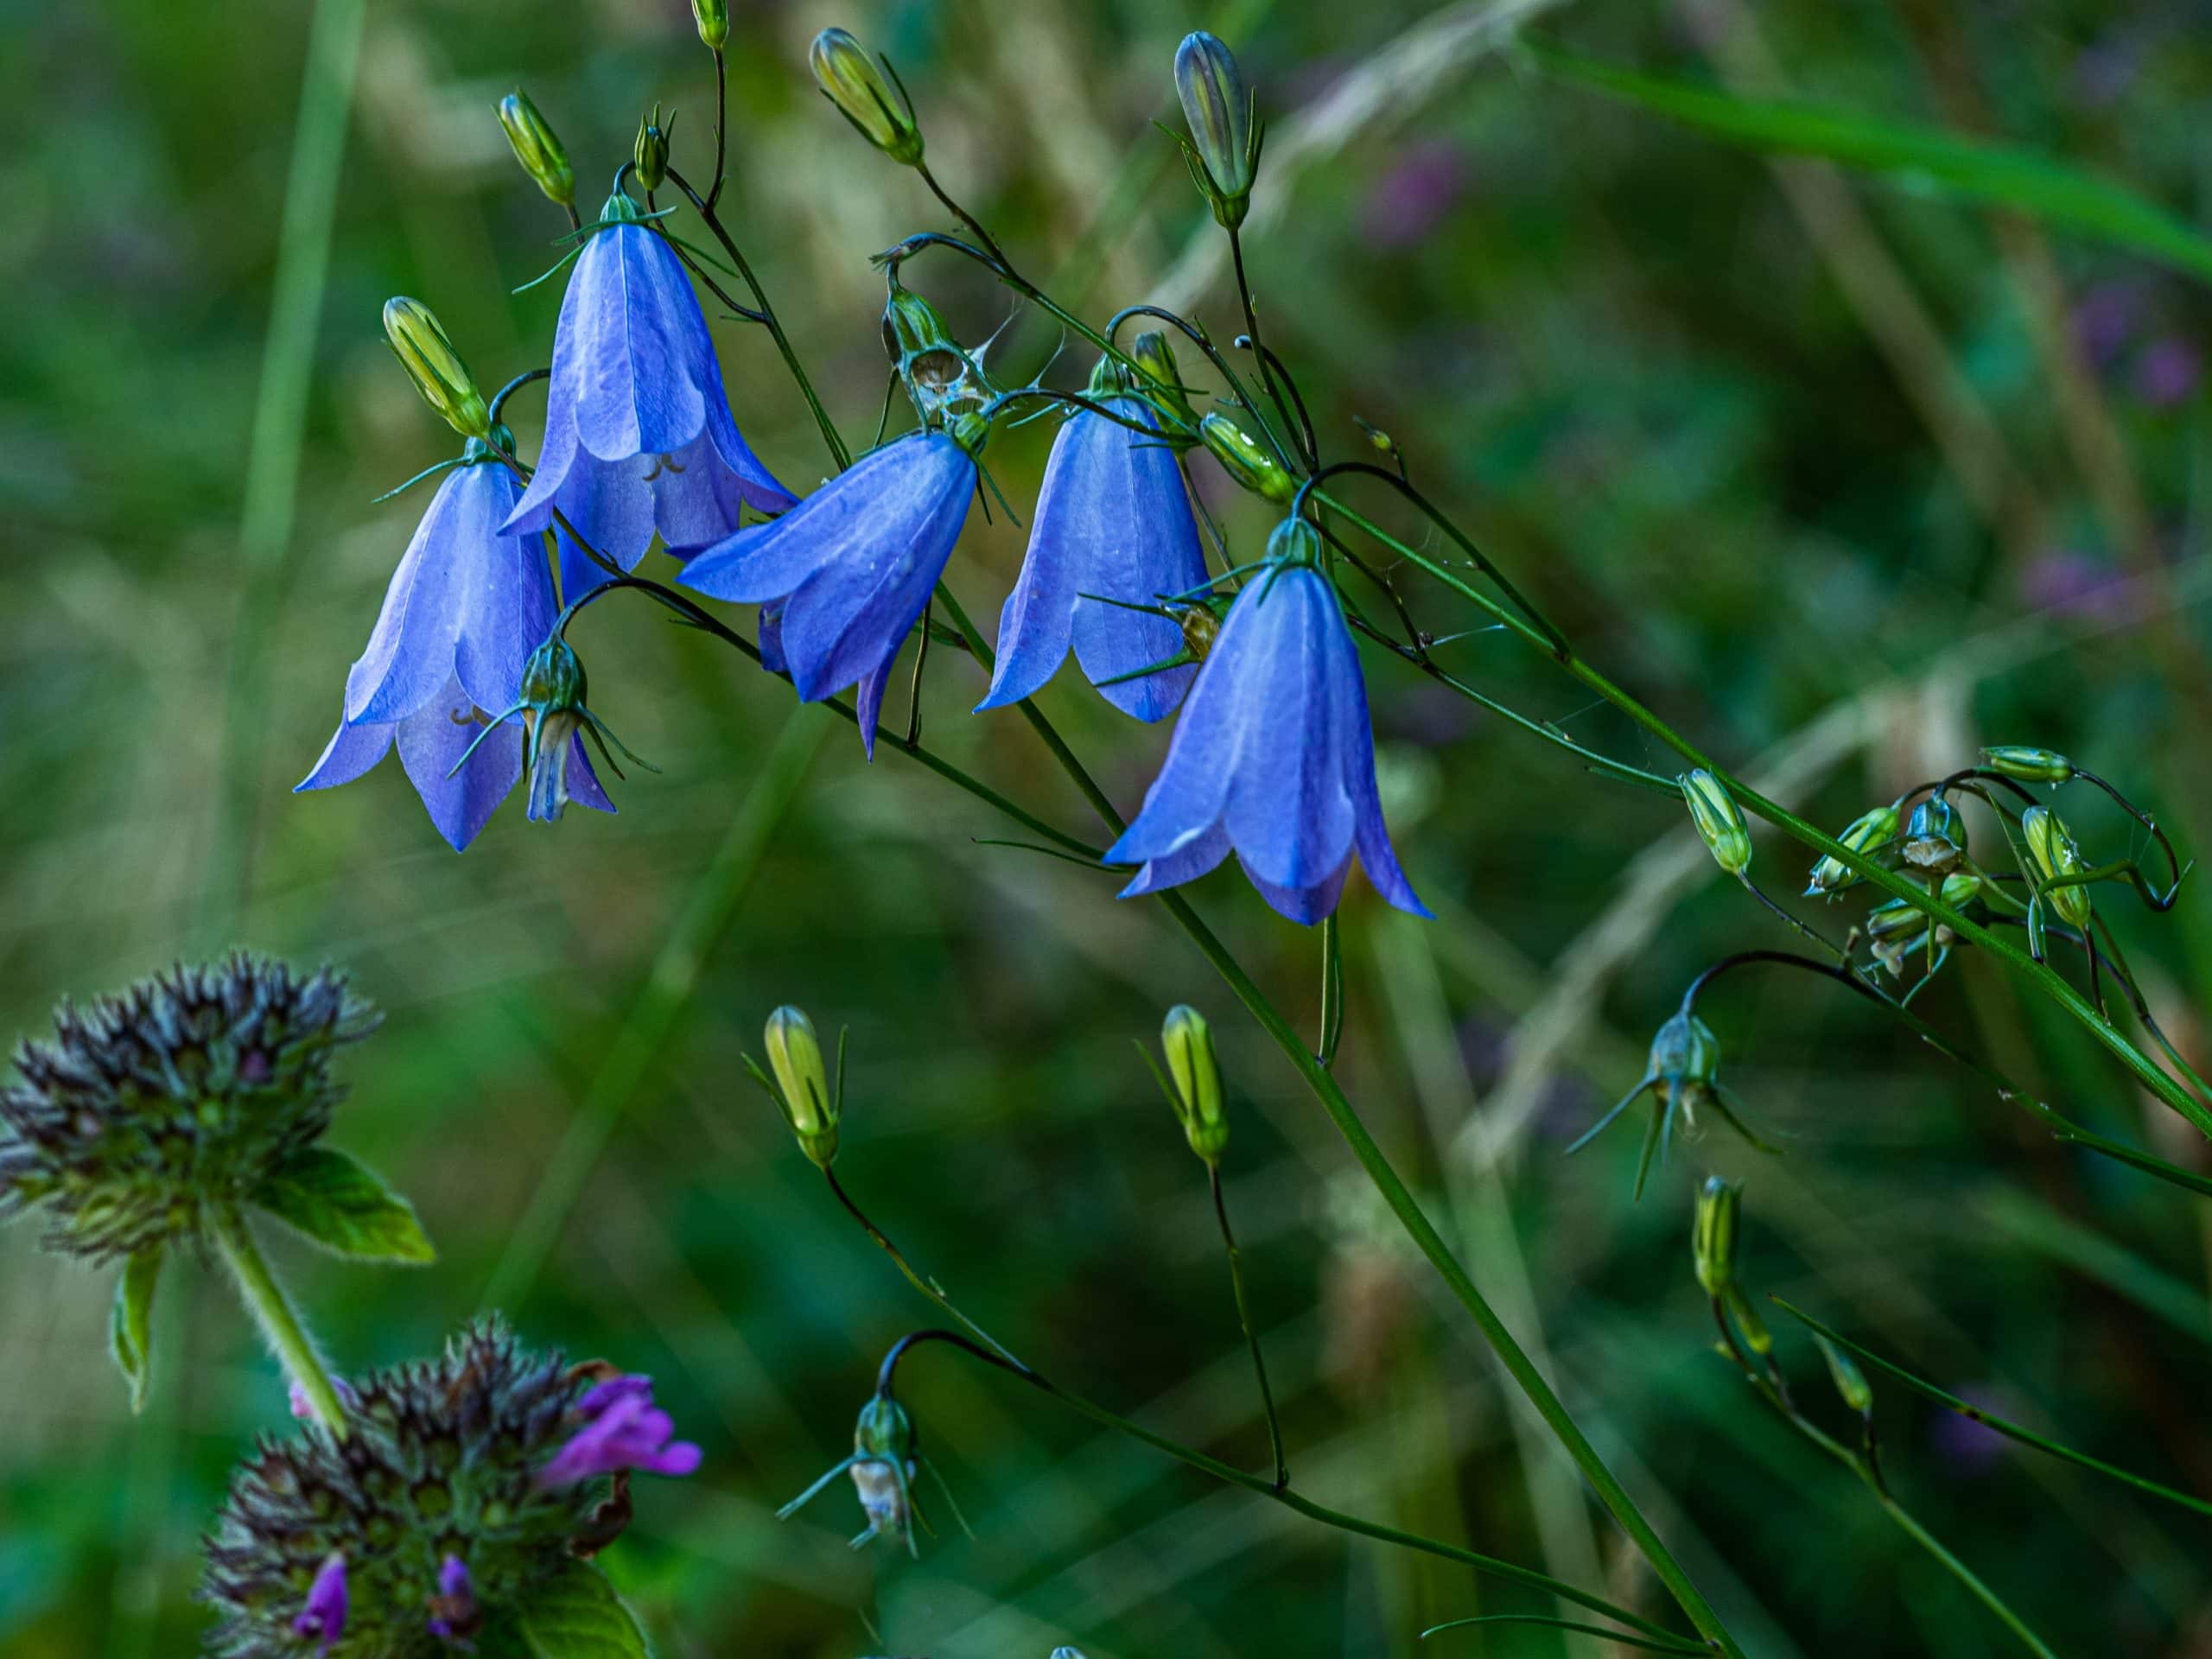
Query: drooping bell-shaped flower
[(639, 434), (1273, 758), (1113, 530), (467, 605), (843, 576)]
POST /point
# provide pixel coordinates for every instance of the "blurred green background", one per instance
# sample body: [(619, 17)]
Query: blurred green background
[(1844, 478)]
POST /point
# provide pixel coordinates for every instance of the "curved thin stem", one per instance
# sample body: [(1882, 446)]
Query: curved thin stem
[(272, 1310), (1251, 1336)]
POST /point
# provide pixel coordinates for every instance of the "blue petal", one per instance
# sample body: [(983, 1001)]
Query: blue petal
[(771, 638), (351, 752), (429, 744), (503, 597), (1187, 864), (697, 497), (634, 346), (409, 657), (1305, 905), (1288, 812)]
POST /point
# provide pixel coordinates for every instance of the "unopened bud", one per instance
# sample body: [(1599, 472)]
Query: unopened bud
[(1224, 146), (2029, 765), (1756, 1336), (849, 78), (1201, 627), (436, 368), (1960, 888), (1152, 354), (537, 147), (1866, 834), (1720, 825), (1245, 459), (650, 150), (2055, 855), (1196, 1072), (803, 1082), (1714, 1234), (1935, 836), (712, 18), (1843, 1372)]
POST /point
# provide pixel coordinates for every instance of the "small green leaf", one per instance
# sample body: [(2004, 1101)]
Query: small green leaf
[(344, 1206), (578, 1616), (130, 1334)]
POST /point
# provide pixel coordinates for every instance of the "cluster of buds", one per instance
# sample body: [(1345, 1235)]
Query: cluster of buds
[(1682, 1075), (464, 1503), (798, 1082)]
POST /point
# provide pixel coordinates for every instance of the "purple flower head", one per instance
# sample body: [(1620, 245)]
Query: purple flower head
[(622, 1429), (1114, 521), (638, 430), (466, 606), (846, 571), (1273, 758), (455, 1616), (324, 1620)]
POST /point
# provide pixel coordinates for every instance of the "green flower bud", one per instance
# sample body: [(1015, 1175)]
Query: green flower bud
[(1720, 825), (1843, 1372), (1245, 459), (1157, 358), (1756, 1336), (803, 1084), (1196, 1070), (883, 1464), (436, 368), (1935, 836), (2055, 855), (1960, 888), (1866, 834), (650, 150), (537, 147), (1224, 145), (1714, 1234), (1201, 625), (2030, 765), (1294, 541), (712, 18), (849, 78)]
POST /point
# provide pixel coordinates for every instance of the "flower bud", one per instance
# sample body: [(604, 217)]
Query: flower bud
[(1224, 145), (849, 78), (1156, 358), (1757, 1337), (1714, 1234), (1935, 836), (1294, 541), (803, 1084), (2055, 855), (650, 150), (1843, 1372), (2029, 765), (1201, 627), (1245, 459), (1960, 888), (1720, 825), (712, 18), (436, 368), (883, 1463), (1866, 834), (1192, 1063), (537, 147)]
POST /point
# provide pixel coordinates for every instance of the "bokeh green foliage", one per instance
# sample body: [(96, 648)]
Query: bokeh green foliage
[(1615, 348)]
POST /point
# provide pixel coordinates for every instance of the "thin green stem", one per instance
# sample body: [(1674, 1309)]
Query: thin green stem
[(264, 1298), (1244, 1319), (1966, 1575), (2045, 979)]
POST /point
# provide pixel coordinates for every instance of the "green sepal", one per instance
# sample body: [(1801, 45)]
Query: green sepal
[(343, 1205), (578, 1616), (130, 1331)]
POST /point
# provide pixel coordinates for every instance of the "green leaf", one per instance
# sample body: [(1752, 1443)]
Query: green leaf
[(1929, 158), (578, 1616), (130, 1331), (344, 1206)]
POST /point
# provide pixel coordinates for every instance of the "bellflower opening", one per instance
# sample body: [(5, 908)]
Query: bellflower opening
[(623, 1429), (846, 571), (639, 434), (1273, 758), (468, 603), (1113, 523)]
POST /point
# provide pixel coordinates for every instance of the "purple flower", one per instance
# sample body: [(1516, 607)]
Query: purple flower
[(1112, 520), (846, 572), (324, 1621), (2167, 372), (455, 1616), (623, 1429), (637, 428), (468, 603), (1273, 758)]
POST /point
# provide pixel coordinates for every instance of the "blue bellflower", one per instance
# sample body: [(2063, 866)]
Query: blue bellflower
[(464, 610), (842, 575), (1273, 758), (638, 430), (1112, 520)]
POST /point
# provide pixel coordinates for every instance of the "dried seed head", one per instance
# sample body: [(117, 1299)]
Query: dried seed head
[(180, 1092)]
